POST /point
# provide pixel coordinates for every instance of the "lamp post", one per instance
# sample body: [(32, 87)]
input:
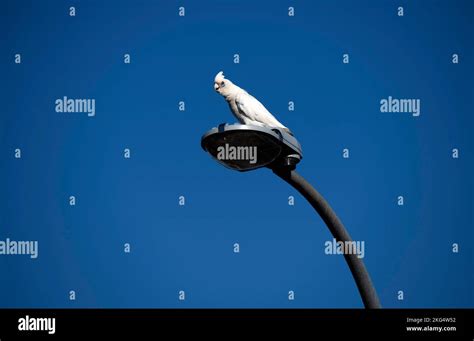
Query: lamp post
[(245, 148)]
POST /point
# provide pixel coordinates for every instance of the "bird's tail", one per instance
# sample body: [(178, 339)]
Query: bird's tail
[(288, 131)]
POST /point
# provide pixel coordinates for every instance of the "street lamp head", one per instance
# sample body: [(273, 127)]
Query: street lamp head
[(247, 147)]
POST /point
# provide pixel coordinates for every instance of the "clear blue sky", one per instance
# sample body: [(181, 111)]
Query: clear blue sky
[(190, 248)]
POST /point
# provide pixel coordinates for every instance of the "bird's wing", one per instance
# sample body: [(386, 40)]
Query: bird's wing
[(251, 108)]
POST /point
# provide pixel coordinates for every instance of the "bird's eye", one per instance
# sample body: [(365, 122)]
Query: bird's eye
[(222, 84)]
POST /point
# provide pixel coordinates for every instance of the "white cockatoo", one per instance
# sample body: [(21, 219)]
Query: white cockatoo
[(244, 106)]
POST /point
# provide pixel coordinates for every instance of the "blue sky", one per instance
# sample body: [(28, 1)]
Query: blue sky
[(190, 247)]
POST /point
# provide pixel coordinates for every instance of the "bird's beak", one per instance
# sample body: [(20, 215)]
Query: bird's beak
[(216, 86)]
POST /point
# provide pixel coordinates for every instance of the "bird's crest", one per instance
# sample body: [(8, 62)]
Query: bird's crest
[(219, 77)]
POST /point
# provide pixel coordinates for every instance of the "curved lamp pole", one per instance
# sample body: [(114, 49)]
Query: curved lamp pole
[(339, 232), (244, 148)]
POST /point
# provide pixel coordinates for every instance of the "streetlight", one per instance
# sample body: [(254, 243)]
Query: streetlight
[(246, 147)]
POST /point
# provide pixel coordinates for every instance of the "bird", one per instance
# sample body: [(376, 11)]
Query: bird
[(246, 108)]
